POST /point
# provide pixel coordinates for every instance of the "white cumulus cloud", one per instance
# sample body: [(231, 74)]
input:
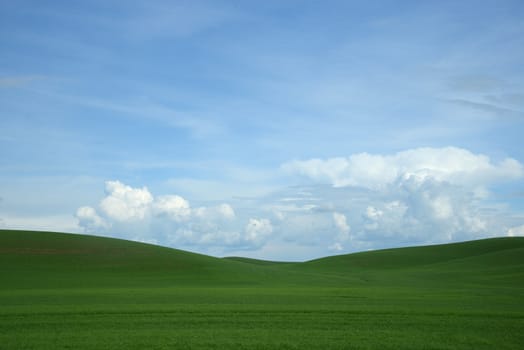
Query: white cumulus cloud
[(125, 203), (410, 204), (450, 164), (89, 219), (134, 213), (173, 206), (422, 195)]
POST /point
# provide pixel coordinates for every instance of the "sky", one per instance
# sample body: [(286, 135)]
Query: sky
[(285, 130)]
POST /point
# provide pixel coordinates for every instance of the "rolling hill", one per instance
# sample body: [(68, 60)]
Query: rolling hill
[(48, 259), (64, 291)]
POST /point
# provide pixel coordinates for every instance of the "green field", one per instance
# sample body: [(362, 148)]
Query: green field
[(64, 291)]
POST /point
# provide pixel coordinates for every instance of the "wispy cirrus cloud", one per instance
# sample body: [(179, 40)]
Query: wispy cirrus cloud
[(175, 19), (18, 81), (489, 108)]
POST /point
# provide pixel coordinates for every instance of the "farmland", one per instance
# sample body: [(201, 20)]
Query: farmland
[(65, 291)]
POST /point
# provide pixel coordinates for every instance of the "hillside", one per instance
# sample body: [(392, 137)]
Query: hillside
[(486, 261), (54, 260), (48, 259), (64, 291), (424, 255)]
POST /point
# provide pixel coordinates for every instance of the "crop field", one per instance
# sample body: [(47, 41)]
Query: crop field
[(65, 291)]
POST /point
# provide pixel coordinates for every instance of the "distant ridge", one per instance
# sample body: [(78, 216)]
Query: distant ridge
[(256, 261)]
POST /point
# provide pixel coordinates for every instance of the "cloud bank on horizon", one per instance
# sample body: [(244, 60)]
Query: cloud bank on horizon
[(278, 130), (364, 201)]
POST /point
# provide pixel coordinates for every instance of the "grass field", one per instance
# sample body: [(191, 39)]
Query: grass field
[(64, 291)]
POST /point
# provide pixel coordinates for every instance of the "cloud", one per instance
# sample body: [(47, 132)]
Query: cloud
[(408, 212), (8, 82), (90, 220), (424, 210), (175, 207), (489, 108), (417, 196), (450, 164), (343, 231), (60, 223), (476, 83), (125, 203), (515, 231), (226, 211), (220, 212), (336, 247), (341, 225), (258, 230), (134, 213), (373, 213), (176, 19), (512, 99), (429, 196)]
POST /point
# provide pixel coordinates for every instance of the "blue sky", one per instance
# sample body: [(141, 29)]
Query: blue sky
[(274, 129)]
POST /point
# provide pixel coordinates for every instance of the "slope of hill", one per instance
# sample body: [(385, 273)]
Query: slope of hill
[(495, 260), (419, 256), (48, 259), (63, 291)]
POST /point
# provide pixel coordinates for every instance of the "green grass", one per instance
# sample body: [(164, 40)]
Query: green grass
[(64, 291)]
